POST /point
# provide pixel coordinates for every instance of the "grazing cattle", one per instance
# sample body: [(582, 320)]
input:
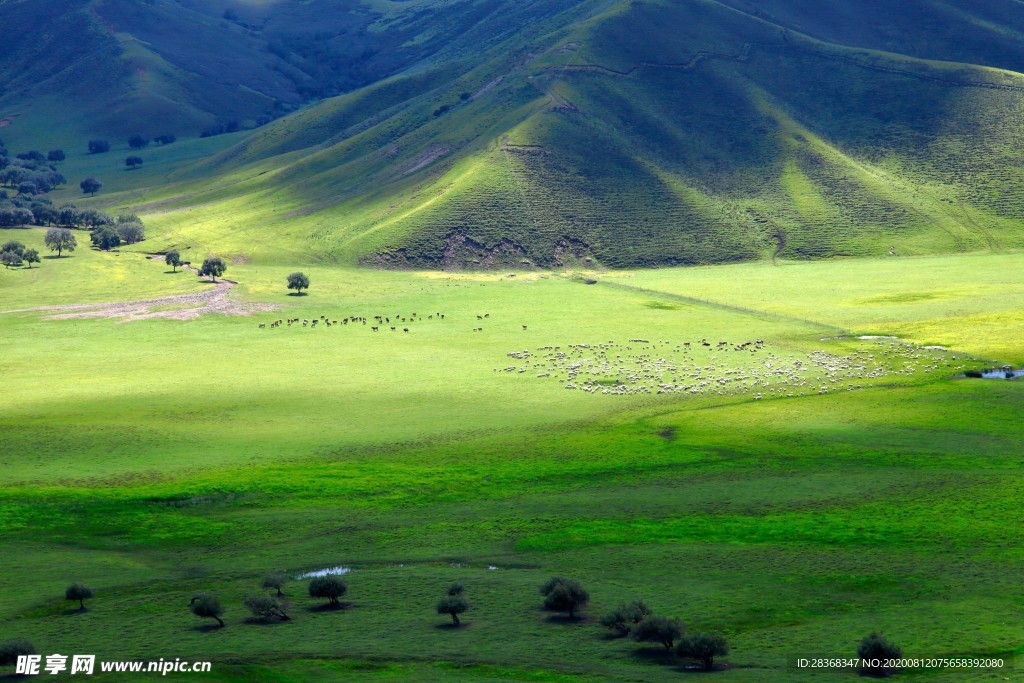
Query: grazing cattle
[(524, 327), (405, 329), (374, 329), (262, 325), (392, 329)]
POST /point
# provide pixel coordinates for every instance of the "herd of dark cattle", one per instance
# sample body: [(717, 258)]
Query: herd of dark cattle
[(384, 322)]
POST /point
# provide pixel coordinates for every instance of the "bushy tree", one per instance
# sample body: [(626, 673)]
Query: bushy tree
[(298, 282), (213, 267), (105, 238), (10, 259), (131, 231), (207, 606), (265, 607), (10, 650), (79, 592), (133, 162), (15, 246), (98, 146), (703, 647), (60, 240), (330, 587), (31, 256), (90, 186), (453, 606), (564, 595), (165, 139), (56, 155), (876, 647), (457, 588), (626, 616), (138, 141), (173, 259), (655, 629), (275, 581)]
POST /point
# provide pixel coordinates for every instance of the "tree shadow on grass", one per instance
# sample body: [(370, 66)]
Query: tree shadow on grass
[(449, 626), (566, 619), (206, 628), (54, 257), (74, 610), (654, 655), (330, 607), (174, 272), (264, 621), (298, 293)]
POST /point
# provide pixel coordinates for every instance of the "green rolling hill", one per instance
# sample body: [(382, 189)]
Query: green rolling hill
[(624, 134)]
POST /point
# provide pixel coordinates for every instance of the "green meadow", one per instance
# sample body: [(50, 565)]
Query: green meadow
[(154, 458)]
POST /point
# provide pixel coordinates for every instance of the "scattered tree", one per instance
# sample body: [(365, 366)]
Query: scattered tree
[(213, 267), (298, 282), (331, 587), (105, 238), (703, 647), (56, 155), (15, 246), (173, 259), (877, 647), (275, 581), (10, 650), (165, 139), (464, 96), (31, 256), (10, 258), (130, 231), (207, 606), (453, 605), (626, 616), (266, 607), (138, 141), (564, 595), (133, 162), (60, 240), (443, 109), (90, 186), (98, 146), (457, 588), (655, 629), (79, 592)]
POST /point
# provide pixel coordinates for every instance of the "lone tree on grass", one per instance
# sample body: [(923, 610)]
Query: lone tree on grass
[(133, 162), (207, 606), (454, 603), (298, 282), (10, 650), (564, 595), (31, 256), (213, 267), (138, 141), (14, 246), (60, 240), (330, 587), (98, 146), (56, 155), (173, 259), (877, 647), (703, 647), (10, 258), (105, 238), (90, 186), (656, 629), (275, 581), (79, 592), (625, 617), (266, 607)]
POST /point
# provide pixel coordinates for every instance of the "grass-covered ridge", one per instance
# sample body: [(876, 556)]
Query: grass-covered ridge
[(628, 134)]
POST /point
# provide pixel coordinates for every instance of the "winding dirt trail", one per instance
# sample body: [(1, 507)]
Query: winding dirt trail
[(174, 307)]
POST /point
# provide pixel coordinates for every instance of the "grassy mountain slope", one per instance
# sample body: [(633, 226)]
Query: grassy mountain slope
[(631, 133)]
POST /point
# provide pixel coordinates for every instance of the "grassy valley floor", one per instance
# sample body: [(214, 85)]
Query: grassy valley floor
[(792, 507)]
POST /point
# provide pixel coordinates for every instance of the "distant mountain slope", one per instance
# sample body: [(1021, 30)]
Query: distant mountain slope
[(642, 133), (75, 68)]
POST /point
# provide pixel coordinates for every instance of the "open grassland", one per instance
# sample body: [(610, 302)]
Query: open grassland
[(152, 459)]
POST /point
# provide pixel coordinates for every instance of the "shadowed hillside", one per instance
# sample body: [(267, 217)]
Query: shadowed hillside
[(638, 133)]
